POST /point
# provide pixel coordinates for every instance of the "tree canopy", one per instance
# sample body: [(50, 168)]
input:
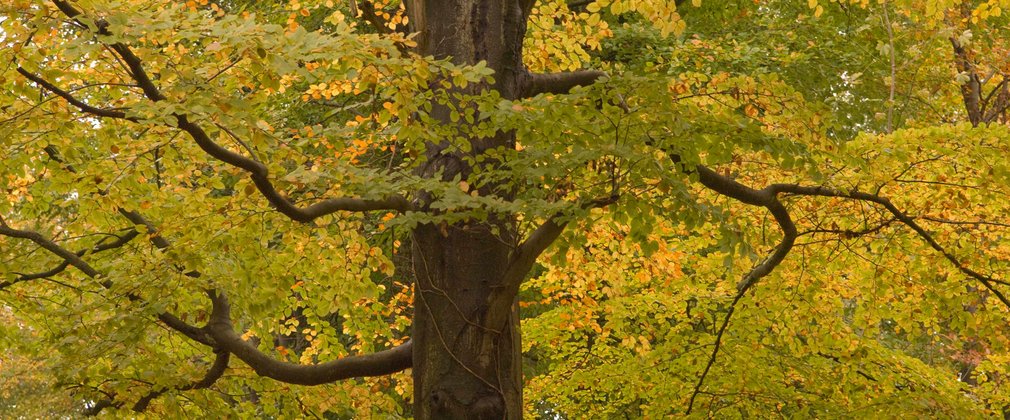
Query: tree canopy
[(504, 208)]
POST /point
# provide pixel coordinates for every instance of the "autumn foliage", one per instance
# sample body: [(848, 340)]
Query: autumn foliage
[(610, 208)]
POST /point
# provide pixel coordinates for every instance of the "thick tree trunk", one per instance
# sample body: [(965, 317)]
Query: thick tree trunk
[(463, 367)]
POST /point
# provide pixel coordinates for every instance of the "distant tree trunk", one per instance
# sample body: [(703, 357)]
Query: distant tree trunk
[(464, 367)]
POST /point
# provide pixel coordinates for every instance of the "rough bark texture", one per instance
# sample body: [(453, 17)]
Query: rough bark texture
[(463, 368)]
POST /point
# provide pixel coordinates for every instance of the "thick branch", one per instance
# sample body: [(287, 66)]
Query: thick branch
[(559, 83), (731, 188), (98, 406), (258, 171), (376, 364), (523, 258)]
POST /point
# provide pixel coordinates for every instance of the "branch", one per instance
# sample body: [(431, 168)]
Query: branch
[(70, 257), (729, 187), (376, 364), (971, 91), (558, 83), (213, 374), (523, 258), (75, 260), (222, 336), (572, 5), (83, 106), (905, 219), (258, 171), (99, 247), (98, 406), (196, 334), (368, 13), (849, 233)]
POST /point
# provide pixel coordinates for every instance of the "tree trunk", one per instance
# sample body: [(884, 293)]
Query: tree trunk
[(462, 367)]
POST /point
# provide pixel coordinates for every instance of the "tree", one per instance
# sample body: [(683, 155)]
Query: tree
[(233, 196)]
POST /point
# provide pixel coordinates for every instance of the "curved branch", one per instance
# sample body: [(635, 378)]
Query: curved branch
[(523, 258), (213, 374), (83, 106), (729, 187), (220, 334), (258, 172), (376, 364)]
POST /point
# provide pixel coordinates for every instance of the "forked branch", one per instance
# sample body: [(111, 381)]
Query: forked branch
[(523, 258), (767, 197), (729, 187), (988, 282)]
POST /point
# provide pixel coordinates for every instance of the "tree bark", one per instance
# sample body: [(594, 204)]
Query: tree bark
[(464, 368)]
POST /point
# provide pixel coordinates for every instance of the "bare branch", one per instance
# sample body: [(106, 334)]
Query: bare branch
[(559, 83), (376, 364), (849, 233)]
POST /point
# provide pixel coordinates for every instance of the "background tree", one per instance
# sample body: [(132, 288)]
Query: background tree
[(760, 207)]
